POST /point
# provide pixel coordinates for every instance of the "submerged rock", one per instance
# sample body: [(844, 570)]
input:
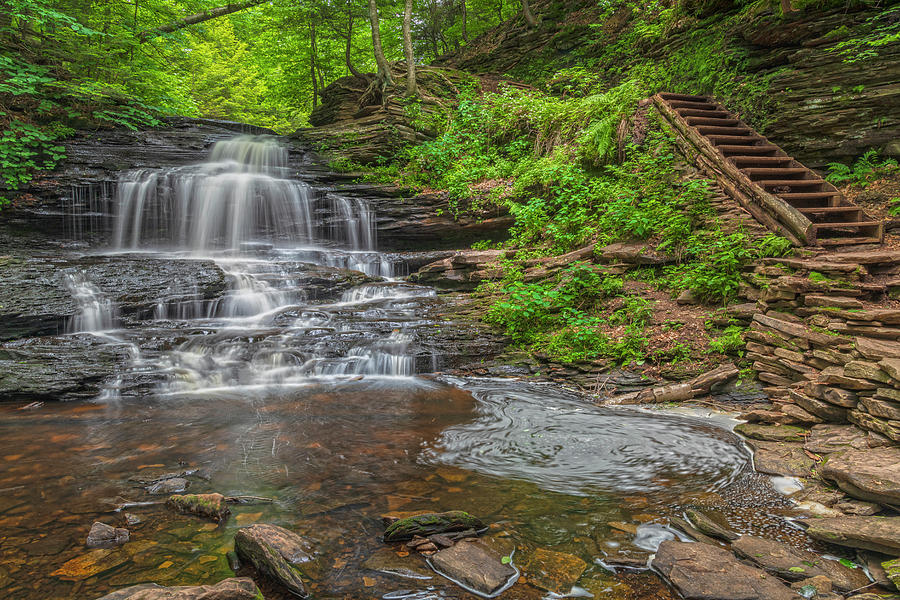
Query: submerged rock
[(174, 485), (106, 536), (555, 572), (208, 506), (274, 552), (705, 572), (881, 534), (475, 567), (431, 523), (872, 474), (708, 526), (235, 588), (793, 564)]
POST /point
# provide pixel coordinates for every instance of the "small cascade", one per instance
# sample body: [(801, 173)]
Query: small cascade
[(96, 312), (271, 236)]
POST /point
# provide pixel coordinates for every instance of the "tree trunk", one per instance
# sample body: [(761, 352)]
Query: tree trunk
[(384, 69), (529, 18), (199, 17), (408, 50), (312, 61), (350, 67), (786, 7), (465, 31)]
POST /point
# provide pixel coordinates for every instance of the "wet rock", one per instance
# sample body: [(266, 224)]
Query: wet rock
[(881, 534), (781, 458), (174, 485), (90, 564), (385, 560), (75, 367), (771, 433), (106, 536), (708, 526), (474, 566), (704, 572), (872, 475), (431, 523), (241, 588), (275, 552), (207, 506), (555, 572), (794, 564), (813, 587), (130, 520)]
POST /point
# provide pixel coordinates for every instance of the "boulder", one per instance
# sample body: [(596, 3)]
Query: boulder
[(475, 567), (794, 564), (881, 534), (781, 458), (106, 536), (872, 474), (235, 588), (431, 523), (274, 552), (207, 506), (705, 572)]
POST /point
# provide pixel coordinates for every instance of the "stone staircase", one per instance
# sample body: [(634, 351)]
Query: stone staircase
[(778, 190)]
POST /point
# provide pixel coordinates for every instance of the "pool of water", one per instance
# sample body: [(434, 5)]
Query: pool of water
[(546, 469)]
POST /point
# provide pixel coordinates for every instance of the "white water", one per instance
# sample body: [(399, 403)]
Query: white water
[(265, 231), (96, 311)]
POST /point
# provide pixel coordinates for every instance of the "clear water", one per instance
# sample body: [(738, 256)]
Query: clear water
[(323, 404)]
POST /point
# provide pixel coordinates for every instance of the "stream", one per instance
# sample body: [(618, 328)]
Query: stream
[(311, 376)]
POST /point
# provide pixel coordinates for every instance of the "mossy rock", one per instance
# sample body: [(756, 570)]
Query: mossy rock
[(431, 523), (772, 433), (892, 569), (207, 506)]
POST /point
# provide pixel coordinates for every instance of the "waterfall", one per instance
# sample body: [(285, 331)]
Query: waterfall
[(96, 312), (267, 233)]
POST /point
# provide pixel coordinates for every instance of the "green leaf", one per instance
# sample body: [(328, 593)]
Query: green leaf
[(506, 560)]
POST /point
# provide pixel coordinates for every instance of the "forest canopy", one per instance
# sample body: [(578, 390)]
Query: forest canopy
[(264, 63)]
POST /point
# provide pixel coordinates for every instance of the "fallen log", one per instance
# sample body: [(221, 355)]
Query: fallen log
[(678, 392)]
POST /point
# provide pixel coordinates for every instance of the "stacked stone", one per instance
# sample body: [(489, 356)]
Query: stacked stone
[(825, 357)]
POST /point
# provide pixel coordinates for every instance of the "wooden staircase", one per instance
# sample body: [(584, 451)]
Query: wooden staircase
[(776, 189)]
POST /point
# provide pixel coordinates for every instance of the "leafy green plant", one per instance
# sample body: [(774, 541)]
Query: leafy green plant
[(731, 341), (866, 169)]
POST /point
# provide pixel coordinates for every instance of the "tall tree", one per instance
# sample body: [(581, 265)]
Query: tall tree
[(408, 50), (383, 77), (526, 11), (465, 18)]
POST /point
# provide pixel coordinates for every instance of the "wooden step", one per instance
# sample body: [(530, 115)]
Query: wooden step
[(853, 225), (779, 172), (717, 121), (693, 105), (792, 183), (690, 112), (733, 140), (754, 161), (807, 196), (850, 241), (833, 214), (688, 97), (708, 130), (731, 150)]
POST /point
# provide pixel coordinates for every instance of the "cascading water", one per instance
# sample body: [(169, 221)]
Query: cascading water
[(265, 231), (96, 311)]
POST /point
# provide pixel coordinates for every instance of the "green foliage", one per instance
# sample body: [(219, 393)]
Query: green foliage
[(879, 31), (25, 148), (731, 341), (866, 169)]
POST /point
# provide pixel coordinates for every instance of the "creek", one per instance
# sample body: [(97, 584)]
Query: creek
[(309, 376)]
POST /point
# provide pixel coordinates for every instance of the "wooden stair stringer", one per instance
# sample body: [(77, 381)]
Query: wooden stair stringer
[(768, 209)]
